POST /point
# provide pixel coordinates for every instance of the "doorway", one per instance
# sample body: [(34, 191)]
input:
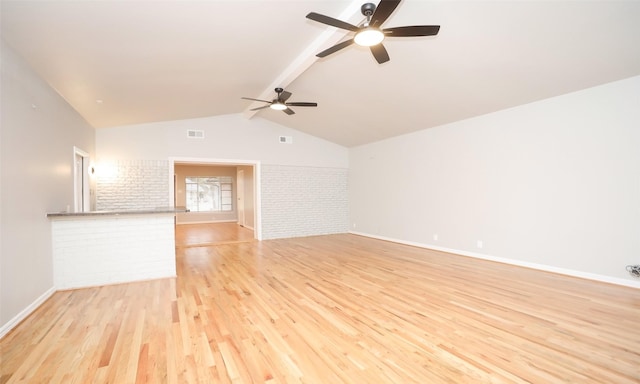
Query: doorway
[(81, 191), (246, 190)]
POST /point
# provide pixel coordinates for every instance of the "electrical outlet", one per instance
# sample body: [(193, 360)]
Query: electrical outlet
[(435, 237), (479, 244)]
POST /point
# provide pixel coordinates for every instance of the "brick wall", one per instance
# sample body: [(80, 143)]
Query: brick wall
[(133, 184), (296, 201), (303, 201), (98, 250)]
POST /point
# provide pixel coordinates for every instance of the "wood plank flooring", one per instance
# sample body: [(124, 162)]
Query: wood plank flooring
[(332, 309), (200, 235)]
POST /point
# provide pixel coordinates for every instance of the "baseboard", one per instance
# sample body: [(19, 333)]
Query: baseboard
[(6, 328), (541, 267)]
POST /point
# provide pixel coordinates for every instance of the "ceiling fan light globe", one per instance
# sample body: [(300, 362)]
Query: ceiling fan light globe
[(369, 37), (278, 106)]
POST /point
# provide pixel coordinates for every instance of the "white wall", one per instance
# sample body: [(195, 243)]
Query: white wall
[(226, 137), (90, 251), (303, 201), (132, 185), (39, 131), (553, 184), (234, 139)]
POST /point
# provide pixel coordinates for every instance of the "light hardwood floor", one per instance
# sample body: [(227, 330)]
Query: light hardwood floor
[(200, 235), (332, 309)]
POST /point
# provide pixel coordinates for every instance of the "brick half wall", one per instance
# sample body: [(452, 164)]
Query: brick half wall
[(99, 250)]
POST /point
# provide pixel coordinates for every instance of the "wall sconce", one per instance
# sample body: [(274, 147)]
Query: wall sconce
[(105, 171)]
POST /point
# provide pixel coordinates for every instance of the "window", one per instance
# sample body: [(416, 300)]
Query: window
[(209, 193)]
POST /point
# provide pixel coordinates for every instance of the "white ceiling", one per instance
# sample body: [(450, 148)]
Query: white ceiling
[(169, 60)]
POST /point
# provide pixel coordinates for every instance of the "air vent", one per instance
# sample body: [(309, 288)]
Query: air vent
[(285, 139), (193, 134)]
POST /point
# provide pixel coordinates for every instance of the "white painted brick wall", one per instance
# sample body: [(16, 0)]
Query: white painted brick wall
[(303, 201), (99, 250), (133, 184)]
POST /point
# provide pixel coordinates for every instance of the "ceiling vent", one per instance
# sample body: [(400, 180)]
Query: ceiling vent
[(285, 139), (193, 134)]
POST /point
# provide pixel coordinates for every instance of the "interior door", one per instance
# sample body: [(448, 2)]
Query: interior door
[(79, 181), (240, 195), (81, 190)]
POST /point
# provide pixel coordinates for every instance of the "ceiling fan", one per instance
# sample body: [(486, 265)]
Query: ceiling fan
[(280, 102), (370, 34)]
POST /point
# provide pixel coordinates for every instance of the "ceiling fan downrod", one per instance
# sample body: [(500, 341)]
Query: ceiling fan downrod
[(367, 10)]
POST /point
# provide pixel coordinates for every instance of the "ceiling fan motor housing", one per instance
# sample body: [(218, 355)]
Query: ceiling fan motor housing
[(367, 9), (278, 92)]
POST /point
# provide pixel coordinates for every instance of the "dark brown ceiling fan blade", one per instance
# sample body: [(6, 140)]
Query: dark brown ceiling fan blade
[(380, 53), (376, 16), (335, 48), (413, 30), (249, 98), (284, 96), (384, 9), (332, 22), (256, 109), (279, 102), (301, 104)]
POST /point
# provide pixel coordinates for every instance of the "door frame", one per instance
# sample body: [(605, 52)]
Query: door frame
[(81, 191), (257, 219)]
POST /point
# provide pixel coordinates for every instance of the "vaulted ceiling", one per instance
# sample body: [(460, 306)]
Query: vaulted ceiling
[(129, 62)]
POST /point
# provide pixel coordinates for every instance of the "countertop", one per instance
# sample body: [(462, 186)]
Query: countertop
[(145, 211)]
